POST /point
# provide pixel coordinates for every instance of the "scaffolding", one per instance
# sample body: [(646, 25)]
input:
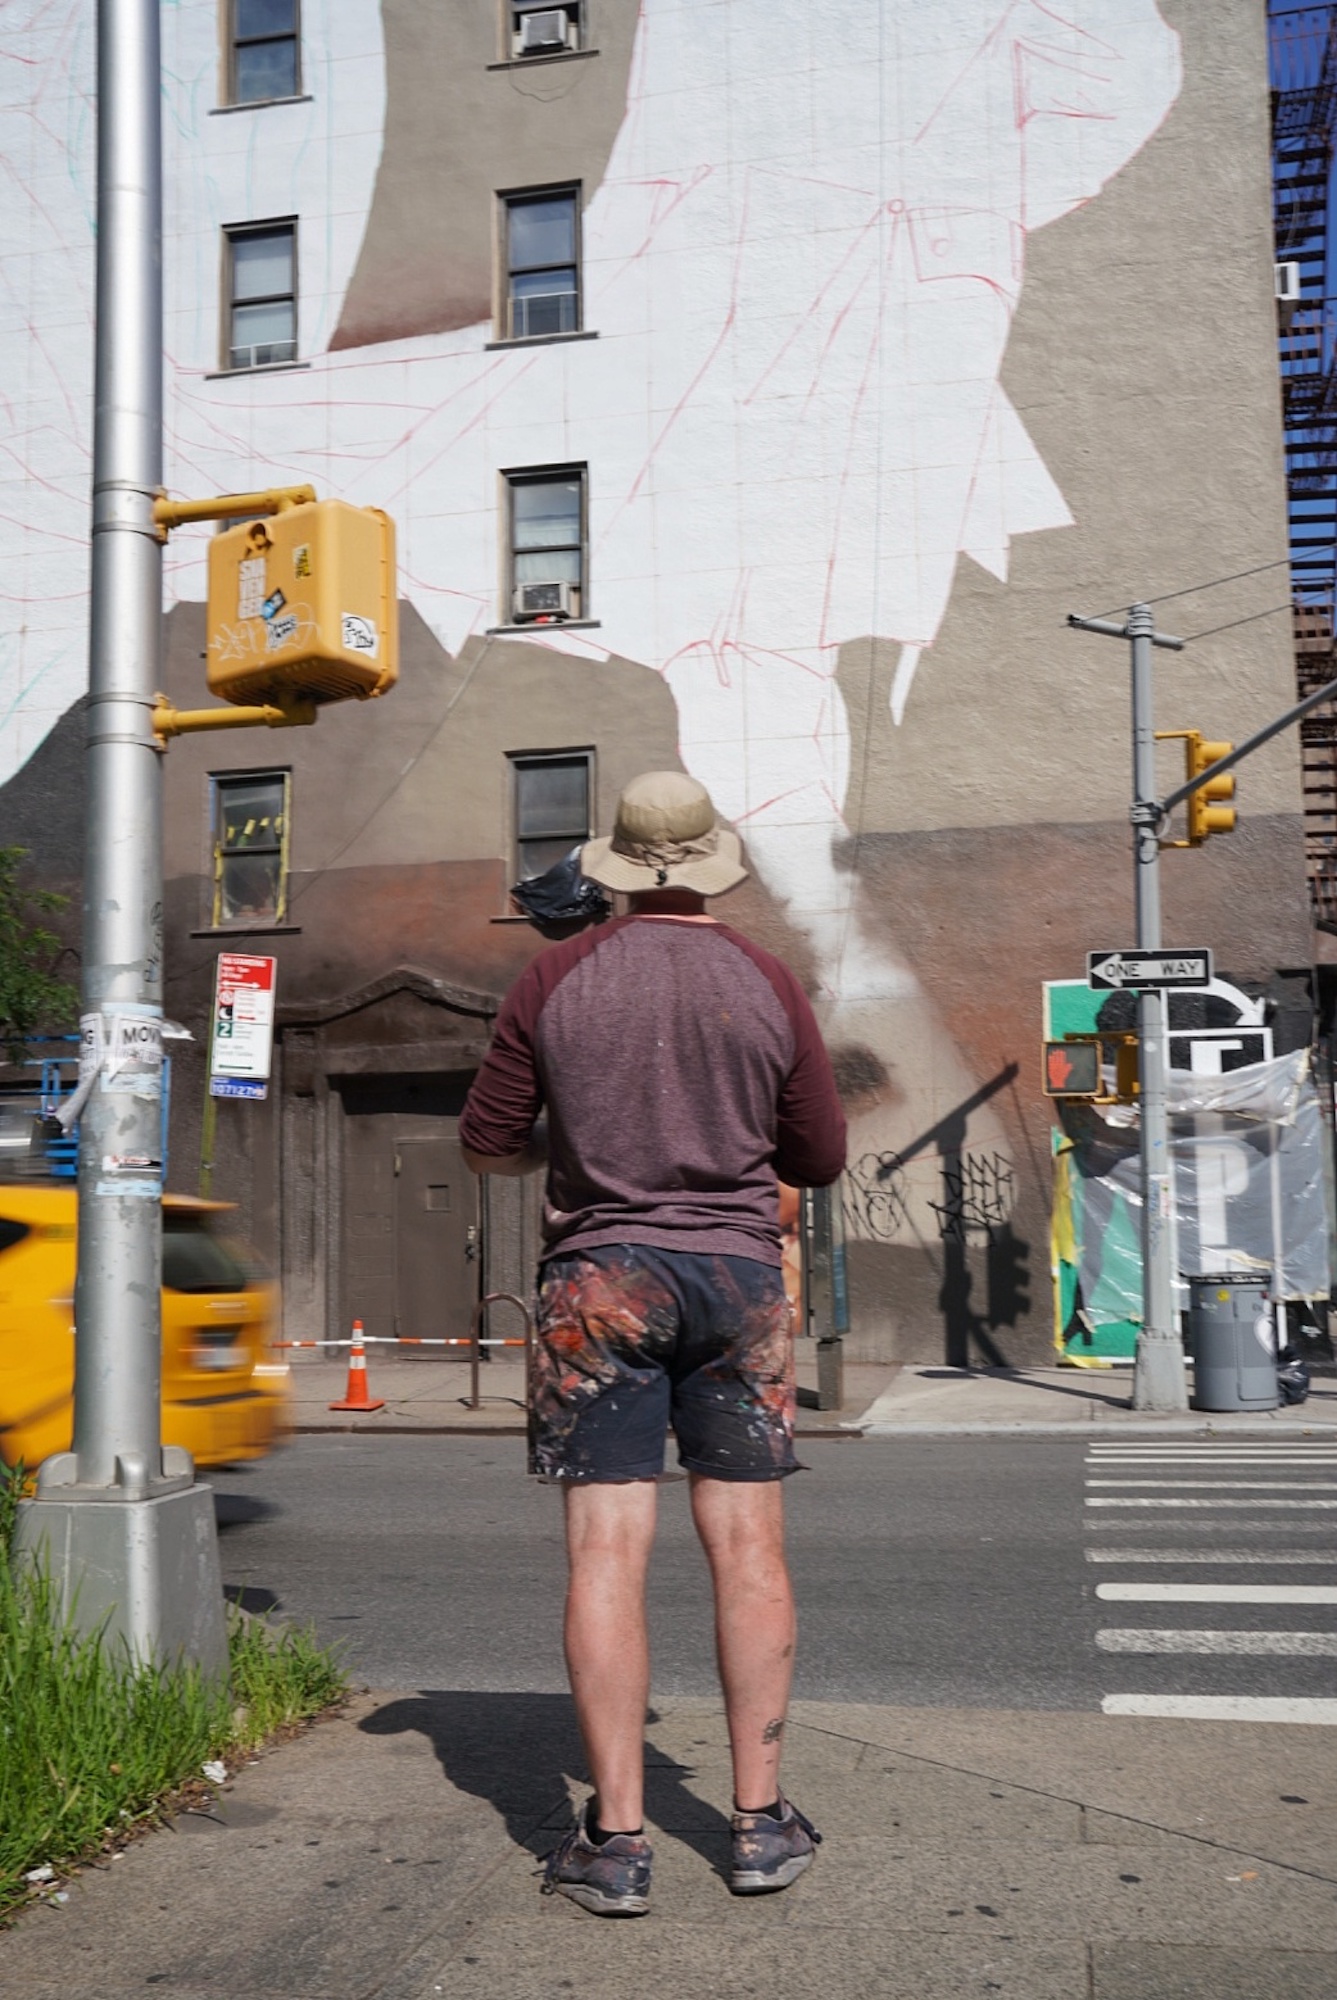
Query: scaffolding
[(1303, 66)]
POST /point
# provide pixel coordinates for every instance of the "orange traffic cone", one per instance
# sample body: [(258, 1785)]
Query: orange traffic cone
[(355, 1396)]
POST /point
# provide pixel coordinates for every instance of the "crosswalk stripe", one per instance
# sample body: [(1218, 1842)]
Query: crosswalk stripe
[(1219, 1593), (1137, 1639), (1209, 1465), (1227, 1485), (1109, 1500), (1225, 1556), (1224, 1707)]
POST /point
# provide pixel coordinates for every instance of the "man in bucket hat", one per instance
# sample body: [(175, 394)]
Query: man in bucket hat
[(682, 1074)]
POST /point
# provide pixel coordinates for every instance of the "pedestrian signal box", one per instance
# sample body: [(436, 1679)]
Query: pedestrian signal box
[(1072, 1069), (303, 606)]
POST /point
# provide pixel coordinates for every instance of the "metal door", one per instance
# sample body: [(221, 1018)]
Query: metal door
[(410, 1262), (436, 1241)]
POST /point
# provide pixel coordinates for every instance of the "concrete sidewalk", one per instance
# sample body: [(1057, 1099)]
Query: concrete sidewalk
[(389, 1855), (879, 1400)]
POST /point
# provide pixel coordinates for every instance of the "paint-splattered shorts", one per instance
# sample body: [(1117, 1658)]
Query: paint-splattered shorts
[(631, 1340)]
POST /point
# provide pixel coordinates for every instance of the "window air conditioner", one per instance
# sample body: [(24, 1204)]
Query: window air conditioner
[(1288, 283), (533, 601), (544, 32)]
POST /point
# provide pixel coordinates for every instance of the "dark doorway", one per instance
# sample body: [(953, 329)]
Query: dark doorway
[(410, 1212)]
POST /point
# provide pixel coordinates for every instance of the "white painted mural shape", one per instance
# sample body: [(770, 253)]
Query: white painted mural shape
[(801, 266)]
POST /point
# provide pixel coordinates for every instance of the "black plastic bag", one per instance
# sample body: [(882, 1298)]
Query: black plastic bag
[(562, 895), (1292, 1376)]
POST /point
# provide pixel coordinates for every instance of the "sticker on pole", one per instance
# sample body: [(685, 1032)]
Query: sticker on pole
[(241, 1045)]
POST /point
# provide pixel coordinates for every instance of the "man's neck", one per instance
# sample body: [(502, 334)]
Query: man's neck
[(684, 904)]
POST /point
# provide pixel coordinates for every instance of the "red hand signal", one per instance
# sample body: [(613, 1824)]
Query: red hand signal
[(1060, 1068)]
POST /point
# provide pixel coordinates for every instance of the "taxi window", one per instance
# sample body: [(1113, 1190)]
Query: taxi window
[(11, 1233), (195, 1260)]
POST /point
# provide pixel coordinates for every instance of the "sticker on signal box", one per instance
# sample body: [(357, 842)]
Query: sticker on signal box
[(359, 635)]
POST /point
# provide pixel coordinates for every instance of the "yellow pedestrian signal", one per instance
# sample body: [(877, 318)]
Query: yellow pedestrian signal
[(303, 606), (1072, 1069), (1206, 812)]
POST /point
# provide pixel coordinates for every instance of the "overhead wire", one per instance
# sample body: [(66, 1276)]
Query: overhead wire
[(1192, 589)]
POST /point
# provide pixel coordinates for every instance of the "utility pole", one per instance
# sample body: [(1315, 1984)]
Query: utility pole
[(127, 1535), (1158, 1371)]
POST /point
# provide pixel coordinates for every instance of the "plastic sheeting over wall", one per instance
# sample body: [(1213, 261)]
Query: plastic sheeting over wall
[(1248, 1183)]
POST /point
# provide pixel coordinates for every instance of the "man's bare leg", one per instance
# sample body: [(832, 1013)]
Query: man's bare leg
[(742, 1529), (609, 1534)]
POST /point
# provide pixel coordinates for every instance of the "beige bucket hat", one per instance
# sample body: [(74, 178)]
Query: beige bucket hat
[(666, 835)]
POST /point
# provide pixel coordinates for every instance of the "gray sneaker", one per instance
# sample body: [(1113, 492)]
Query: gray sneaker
[(768, 1853), (613, 1880)]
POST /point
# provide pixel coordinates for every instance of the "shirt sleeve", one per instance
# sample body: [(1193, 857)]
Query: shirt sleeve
[(810, 1124), (506, 1096)]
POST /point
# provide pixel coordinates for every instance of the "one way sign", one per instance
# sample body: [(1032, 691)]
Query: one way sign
[(1110, 971)]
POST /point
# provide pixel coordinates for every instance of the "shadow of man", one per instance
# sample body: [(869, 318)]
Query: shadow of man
[(521, 1753)]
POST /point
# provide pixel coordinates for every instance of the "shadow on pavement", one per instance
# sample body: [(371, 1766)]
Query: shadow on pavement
[(236, 1510), (520, 1752), (248, 1597)]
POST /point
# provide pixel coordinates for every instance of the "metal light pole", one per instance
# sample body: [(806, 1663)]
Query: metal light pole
[(1158, 1371), (126, 1533)]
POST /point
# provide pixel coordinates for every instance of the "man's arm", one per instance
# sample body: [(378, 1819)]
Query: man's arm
[(499, 1127), (810, 1133), (527, 1160)]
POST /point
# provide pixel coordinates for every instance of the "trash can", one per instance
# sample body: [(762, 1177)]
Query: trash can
[(1232, 1343)]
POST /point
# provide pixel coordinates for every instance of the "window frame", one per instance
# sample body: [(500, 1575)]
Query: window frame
[(539, 475), (234, 232), (232, 41), (507, 199), (218, 783), (511, 10), (524, 760)]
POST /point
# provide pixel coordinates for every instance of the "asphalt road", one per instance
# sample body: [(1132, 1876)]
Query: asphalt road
[(946, 1572)]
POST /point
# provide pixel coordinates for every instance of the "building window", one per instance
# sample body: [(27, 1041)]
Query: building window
[(263, 49), (262, 295), (551, 808), (250, 840), (547, 544), (542, 264), (537, 28)]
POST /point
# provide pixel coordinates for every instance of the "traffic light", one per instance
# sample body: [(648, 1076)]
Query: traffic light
[(303, 606), (1206, 812)]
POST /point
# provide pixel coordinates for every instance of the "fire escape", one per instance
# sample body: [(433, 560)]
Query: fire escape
[(1303, 52)]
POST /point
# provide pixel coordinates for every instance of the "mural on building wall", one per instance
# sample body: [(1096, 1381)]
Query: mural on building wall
[(801, 266)]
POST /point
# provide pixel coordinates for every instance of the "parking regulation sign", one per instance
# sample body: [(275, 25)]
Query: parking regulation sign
[(241, 1046)]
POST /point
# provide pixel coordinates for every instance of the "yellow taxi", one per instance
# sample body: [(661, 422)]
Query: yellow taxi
[(224, 1397)]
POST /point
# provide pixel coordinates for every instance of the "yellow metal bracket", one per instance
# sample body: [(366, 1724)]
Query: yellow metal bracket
[(170, 721), (169, 514)]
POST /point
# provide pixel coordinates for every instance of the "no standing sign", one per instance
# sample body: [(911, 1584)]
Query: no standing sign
[(241, 1045)]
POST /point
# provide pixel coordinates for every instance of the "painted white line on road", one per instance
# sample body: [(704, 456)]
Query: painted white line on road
[(1219, 1593), (1263, 1556), (1223, 1707), (1231, 1462), (1251, 1506), (1227, 1485), (1297, 1645)]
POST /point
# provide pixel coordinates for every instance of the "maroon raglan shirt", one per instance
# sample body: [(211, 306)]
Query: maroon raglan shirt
[(682, 1072)]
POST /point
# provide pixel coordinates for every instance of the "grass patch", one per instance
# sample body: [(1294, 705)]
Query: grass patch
[(90, 1746)]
